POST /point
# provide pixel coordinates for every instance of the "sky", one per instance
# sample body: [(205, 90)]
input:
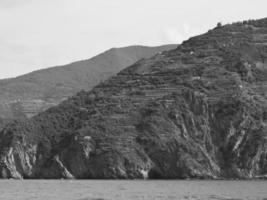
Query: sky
[(36, 34)]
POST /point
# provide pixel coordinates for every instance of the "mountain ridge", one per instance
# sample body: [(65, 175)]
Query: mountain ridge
[(26, 95)]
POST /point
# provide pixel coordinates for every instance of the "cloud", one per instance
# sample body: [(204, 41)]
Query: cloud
[(173, 35), (178, 34)]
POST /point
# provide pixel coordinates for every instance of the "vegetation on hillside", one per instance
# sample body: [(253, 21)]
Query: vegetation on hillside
[(198, 111)]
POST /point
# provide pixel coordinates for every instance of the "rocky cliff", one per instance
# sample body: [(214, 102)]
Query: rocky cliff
[(198, 111), (27, 95)]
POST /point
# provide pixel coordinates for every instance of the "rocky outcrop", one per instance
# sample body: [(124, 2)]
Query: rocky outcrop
[(198, 111), (27, 95)]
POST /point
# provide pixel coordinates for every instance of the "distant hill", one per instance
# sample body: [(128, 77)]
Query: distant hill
[(27, 95), (197, 111)]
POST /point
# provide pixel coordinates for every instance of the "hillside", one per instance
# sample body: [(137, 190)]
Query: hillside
[(27, 95), (198, 111)]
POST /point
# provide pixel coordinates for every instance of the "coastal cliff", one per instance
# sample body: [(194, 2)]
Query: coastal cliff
[(198, 111)]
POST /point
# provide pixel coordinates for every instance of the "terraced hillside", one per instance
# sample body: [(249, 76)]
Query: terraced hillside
[(198, 111), (27, 95)]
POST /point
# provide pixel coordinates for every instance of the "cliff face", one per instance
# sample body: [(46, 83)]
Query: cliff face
[(27, 95), (198, 111)]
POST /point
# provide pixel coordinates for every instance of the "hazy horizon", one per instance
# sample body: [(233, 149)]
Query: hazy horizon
[(37, 34)]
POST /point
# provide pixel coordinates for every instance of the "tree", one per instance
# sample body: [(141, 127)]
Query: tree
[(219, 24)]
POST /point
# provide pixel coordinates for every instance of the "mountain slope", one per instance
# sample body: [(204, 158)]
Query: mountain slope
[(198, 111), (29, 94)]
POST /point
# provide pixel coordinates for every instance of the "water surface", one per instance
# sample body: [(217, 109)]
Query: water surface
[(131, 190)]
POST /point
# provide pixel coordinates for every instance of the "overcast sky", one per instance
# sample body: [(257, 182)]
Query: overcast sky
[(37, 34)]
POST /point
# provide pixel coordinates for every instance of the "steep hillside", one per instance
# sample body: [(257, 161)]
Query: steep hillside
[(27, 95), (198, 111)]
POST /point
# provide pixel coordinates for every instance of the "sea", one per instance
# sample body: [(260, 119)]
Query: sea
[(132, 190)]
